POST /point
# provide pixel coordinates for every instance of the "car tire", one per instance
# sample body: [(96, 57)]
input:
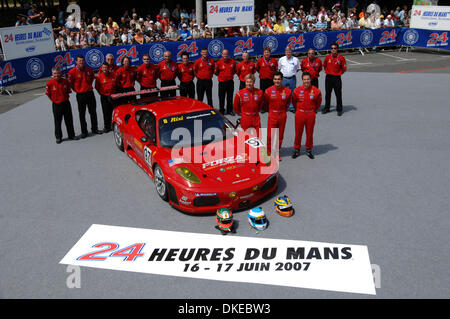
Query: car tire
[(118, 137), (160, 183)]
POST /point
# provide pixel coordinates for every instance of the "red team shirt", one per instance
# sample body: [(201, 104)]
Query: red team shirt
[(277, 100), (247, 102), (167, 71), (105, 84), (243, 69), (126, 78), (147, 75), (81, 80), (204, 69), (266, 68), (225, 70), (58, 91), (307, 99), (112, 68), (186, 72), (335, 65), (312, 68)]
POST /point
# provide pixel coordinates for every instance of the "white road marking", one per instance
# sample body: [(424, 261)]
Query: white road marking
[(39, 94), (397, 57), (357, 63)]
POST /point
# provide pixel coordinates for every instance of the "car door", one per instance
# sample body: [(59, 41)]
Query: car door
[(147, 138)]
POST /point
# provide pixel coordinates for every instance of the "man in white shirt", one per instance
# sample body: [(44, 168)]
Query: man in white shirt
[(291, 28), (389, 22), (289, 65)]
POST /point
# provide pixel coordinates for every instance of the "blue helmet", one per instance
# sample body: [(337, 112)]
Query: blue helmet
[(257, 218)]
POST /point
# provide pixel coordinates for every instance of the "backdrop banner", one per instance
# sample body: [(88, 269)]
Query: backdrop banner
[(36, 67), (27, 40)]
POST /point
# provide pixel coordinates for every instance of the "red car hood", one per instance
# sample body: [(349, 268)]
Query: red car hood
[(234, 161)]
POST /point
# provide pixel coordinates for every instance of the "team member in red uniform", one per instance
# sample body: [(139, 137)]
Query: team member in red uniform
[(243, 68), (186, 76), (81, 78), (204, 70), (110, 61), (58, 90), (147, 74), (335, 65), (248, 103), (125, 80), (277, 99), (266, 67), (105, 84), (312, 65), (126, 76), (168, 71), (225, 70), (306, 99)]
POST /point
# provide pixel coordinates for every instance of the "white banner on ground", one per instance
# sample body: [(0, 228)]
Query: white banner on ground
[(430, 17), (230, 13), (292, 263), (27, 40)]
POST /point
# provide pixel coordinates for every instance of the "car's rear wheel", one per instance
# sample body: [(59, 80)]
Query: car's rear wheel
[(118, 137), (160, 183)]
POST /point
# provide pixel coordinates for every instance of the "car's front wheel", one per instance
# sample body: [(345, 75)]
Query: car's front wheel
[(118, 137), (160, 183)]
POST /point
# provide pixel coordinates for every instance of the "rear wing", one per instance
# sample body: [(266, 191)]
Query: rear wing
[(142, 92)]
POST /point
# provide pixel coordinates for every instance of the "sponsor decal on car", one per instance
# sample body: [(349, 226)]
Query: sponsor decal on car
[(184, 200), (205, 194), (225, 161)]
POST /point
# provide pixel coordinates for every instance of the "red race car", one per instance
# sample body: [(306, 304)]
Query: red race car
[(198, 159)]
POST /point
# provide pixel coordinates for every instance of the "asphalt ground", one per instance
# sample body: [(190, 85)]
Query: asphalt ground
[(380, 179)]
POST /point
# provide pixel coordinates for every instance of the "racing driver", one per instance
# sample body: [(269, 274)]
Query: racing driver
[(248, 103), (277, 98)]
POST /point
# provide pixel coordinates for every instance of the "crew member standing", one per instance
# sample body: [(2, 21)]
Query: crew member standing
[(277, 99), (81, 78), (105, 84), (289, 65), (307, 100), (186, 76), (266, 67), (204, 70), (126, 76), (248, 103), (312, 65), (168, 72), (243, 68), (110, 61), (225, 70), (58, 90), (335, 65), (147, 74)]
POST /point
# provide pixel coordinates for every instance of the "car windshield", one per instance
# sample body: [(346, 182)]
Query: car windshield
[(193, 129)]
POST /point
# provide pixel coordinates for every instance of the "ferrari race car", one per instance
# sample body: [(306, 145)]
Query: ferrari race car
[(198, 159)]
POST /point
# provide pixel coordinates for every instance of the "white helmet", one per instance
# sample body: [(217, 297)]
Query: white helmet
[(257, 218)]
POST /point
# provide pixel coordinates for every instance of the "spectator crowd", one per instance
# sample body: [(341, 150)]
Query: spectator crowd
[(181, 24)]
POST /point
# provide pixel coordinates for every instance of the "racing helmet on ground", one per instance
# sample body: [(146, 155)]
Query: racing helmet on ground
[(224, 218), (283, 206), (257, 218)]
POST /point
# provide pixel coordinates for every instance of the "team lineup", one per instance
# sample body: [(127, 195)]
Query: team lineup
[(277, 93)]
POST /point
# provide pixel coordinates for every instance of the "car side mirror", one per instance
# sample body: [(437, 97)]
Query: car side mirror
[(144, 139)]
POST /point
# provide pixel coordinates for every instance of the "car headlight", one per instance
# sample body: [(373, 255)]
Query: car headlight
[(187, 175), (265, 158)]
